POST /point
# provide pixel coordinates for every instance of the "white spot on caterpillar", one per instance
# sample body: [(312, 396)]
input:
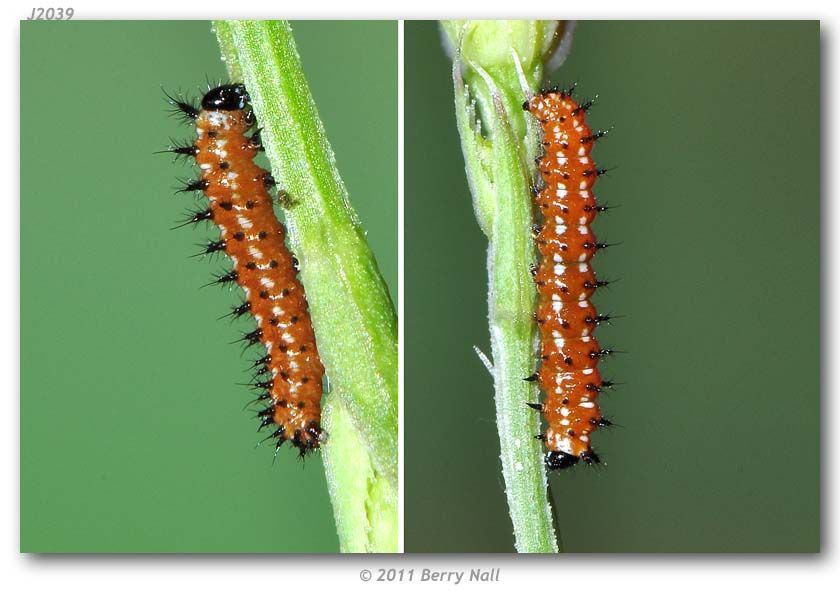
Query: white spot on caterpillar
[(266, 282), (216, 117), (587, 404), (244, 222), (583, 267), (588, 371)]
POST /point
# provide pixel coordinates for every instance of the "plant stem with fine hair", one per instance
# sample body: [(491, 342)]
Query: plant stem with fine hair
[(353, 315), (496, 66)]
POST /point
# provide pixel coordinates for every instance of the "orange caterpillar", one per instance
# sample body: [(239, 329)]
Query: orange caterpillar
[(253, 238), (569, 374)]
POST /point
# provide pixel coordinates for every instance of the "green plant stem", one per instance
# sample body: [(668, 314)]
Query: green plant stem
[(496, 66), (353, 315)]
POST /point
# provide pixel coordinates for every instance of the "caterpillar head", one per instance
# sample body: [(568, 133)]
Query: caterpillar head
[(557, 459), (226, 97)]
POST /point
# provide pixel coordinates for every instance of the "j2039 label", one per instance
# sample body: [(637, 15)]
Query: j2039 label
[(51, 14)]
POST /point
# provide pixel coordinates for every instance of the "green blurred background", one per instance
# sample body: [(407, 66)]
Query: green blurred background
[(716, 140), (133, 435)]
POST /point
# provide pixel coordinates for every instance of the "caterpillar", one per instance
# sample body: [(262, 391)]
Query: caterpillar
[(568, 374), (289, 375)]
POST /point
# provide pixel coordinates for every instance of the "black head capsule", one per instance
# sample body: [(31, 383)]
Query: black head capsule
[(226, 97), (555, 460)]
